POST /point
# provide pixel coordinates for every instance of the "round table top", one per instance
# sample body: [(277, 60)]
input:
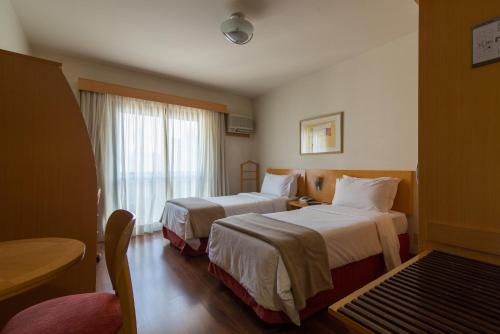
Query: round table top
[(27, 263)]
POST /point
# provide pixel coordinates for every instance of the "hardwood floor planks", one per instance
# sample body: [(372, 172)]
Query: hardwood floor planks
[(175, 294)]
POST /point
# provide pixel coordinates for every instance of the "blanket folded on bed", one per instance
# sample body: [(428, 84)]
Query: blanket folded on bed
[(202, 214), (303, 251)]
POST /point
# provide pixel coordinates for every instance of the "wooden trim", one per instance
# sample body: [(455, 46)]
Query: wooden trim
[(103, 87)]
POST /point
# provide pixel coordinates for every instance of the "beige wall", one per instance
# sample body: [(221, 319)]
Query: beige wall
[(376, 90), (237, 149), (12, 36)]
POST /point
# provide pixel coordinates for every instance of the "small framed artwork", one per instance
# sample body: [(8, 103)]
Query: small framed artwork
[(486, 43), (322, 134)]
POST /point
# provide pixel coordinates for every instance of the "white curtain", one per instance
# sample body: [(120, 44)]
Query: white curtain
[(148, 152)]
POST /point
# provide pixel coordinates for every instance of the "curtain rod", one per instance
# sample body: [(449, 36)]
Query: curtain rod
[(104, 87)]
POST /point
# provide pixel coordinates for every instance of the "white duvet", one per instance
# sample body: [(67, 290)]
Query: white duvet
[(176, 218), (350, 235)]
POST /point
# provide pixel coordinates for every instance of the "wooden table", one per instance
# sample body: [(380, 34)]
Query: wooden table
[(27, 263)]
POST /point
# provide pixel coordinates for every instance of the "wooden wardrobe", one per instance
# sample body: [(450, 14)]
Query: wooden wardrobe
[(459, 132), (47, 171)]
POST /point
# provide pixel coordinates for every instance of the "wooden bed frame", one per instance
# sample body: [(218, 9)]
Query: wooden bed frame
[(404, 201)]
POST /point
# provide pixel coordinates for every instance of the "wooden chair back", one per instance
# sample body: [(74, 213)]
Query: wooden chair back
[(119, 229)]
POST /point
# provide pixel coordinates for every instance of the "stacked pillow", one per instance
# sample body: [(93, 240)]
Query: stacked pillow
[(367, 194), (280, 185)]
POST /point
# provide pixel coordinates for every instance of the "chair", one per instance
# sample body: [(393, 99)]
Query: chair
[(100, 312)]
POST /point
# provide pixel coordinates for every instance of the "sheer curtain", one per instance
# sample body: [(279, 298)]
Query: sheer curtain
[(148, 152)]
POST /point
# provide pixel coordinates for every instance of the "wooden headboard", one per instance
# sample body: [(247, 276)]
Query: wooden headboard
[(404, 197), (301, 186), (406, 189), (402, 203)]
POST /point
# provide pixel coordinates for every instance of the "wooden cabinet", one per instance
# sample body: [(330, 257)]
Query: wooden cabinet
[(459, 138), (47, 174)]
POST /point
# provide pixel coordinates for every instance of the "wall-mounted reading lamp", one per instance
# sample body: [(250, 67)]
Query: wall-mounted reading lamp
[(318, 183)]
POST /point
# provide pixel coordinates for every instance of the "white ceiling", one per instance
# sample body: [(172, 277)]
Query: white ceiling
[(182, 39)]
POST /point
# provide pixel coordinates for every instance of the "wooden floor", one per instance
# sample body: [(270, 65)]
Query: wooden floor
[(174, 294)]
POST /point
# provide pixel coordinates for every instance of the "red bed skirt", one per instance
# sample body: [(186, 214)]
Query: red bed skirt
[(183, 247), (346, 279)]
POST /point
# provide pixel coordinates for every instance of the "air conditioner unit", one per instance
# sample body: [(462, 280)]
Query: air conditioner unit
[(239, 124)]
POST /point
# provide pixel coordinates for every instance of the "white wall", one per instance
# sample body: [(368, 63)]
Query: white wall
[(238, 149), (377, 91), (12, 37)]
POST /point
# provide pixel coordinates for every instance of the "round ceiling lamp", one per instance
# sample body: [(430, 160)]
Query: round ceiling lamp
[(237, 29)]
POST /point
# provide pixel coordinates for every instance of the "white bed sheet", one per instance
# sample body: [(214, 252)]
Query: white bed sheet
[(350, 235), (176, 218)]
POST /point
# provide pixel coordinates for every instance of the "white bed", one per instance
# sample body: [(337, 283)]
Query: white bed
[(176, 218), (350, 235)]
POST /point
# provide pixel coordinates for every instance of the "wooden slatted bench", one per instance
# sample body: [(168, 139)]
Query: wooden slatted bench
[(435, 292)]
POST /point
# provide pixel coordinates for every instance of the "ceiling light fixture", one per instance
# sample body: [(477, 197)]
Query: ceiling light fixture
[(237, 29)]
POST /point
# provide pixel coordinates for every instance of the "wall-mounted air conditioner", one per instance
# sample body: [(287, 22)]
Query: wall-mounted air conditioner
[(239, 124)]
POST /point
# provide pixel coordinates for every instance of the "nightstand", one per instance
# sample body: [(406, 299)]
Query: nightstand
[(294, 205)]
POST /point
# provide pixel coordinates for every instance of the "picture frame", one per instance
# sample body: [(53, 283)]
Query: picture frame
[(322, 134), (486, 42)]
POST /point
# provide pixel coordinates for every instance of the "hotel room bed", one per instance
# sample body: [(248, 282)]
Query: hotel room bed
[(177, 226), (359, 243), (187, 221)]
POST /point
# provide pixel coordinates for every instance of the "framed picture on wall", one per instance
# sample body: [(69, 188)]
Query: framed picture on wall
[(486, 43), (322, 134)]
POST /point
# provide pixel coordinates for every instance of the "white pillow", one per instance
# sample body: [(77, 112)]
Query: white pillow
[(277, 184), (367, 194)]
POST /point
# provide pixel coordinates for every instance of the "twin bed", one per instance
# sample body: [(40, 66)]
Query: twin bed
[(177, 227), (287, 265)]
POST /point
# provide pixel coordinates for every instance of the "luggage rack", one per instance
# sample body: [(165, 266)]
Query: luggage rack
[(435, 292)]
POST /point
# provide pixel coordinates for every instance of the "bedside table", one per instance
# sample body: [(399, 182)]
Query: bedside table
[(294, 205)]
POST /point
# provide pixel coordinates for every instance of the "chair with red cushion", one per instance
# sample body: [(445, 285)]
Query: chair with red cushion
[(90, 313)]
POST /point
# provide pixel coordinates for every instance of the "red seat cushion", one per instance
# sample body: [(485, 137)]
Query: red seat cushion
[(85, 313)]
